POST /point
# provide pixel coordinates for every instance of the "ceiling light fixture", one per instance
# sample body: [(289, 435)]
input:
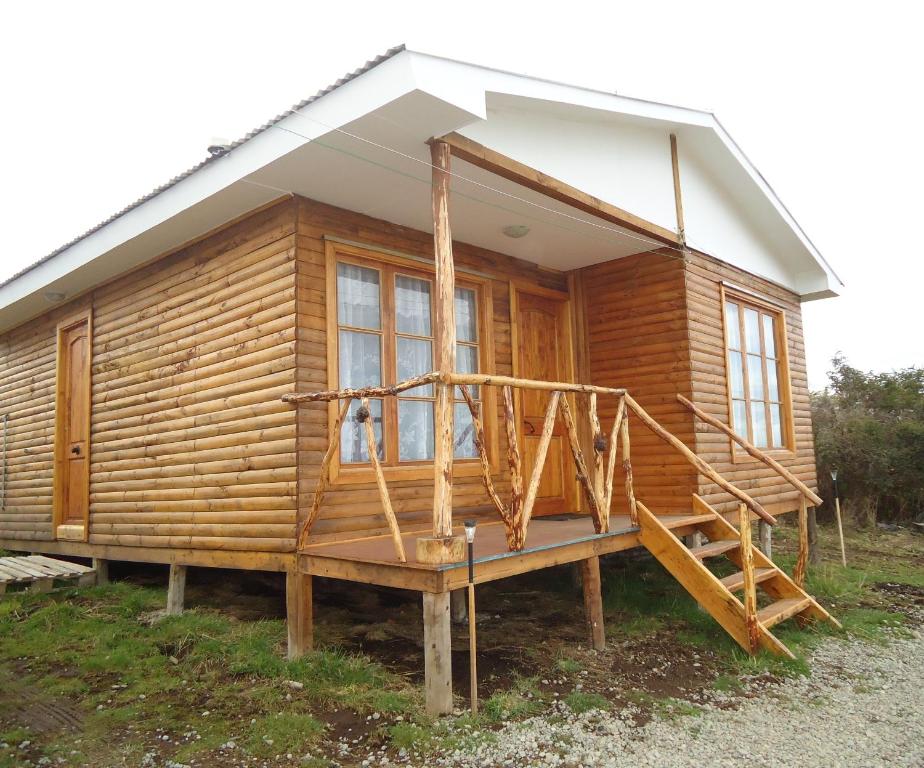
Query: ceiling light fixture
[(516, 230)]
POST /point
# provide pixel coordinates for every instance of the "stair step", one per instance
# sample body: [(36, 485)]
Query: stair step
[(714, 548), (736, 580), (782, 609), (681, 521)]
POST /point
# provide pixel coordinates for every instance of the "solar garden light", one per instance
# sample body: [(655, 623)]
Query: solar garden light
[(837, 514), (470, 538)]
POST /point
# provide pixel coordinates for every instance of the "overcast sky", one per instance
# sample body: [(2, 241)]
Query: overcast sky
[(102, 102)]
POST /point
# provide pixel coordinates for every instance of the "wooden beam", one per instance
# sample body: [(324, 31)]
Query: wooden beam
[(520, 173), (176, 589), (583, 475), (373, 450), (354, 394), (627, 465), (490, 379), (542, 449), (515, 538), (598, 446), (678, 196), (798, 573), (445, 339), (102, 571), (299, 614), (593, 602), (611, 459), (747, 570), (324, 476), (701, 465), (437, 653), (753, 450)]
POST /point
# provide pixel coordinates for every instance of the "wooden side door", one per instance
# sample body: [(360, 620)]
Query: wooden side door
[(542, 350), (72, 429)]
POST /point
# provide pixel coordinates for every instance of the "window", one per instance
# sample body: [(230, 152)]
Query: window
[(385, 334), (757, 375)]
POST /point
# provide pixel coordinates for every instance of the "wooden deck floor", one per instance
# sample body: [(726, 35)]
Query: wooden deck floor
[(550, 541)]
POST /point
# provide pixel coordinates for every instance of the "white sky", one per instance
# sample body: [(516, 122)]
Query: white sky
[(102, 102)]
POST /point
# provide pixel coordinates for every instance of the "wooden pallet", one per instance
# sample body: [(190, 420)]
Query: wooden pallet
[(39, 573)]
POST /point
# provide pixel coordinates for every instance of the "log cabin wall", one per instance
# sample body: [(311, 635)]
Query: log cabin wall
[(636, 328), (354, 509), (704, 278), (190, 445)]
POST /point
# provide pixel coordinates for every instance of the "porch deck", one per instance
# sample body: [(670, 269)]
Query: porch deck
[(553, 540)]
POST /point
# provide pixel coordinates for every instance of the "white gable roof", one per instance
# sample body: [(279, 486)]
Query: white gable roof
[(360, 144)]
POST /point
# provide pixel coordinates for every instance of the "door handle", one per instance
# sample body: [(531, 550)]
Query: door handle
[(532, 429), (75, 450)]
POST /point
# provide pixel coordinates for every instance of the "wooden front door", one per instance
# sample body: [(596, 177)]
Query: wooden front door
[(73, 428), (543, 352)]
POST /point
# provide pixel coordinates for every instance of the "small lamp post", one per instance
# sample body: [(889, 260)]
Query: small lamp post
[(837, 514), (470, 539)]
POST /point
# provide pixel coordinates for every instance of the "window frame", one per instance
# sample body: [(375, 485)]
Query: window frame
[(389, 265), (747, 300)]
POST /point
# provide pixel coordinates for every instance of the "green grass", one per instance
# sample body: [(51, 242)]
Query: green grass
[(581, 701), (131, 676)]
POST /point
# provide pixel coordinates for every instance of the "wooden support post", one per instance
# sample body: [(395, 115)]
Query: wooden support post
[(437, 653), (442, 547), (627, 467), (611, 459), (814, 555), (299, 613), (678, 196), (542, 449), (765, 534), (593, 602), (102, 571), (457, 606), (324, 476), (373, 450), (798, 574), (583, 474), (840, 529), (176, 589), (750, 586), (515, 534), (598, 445)]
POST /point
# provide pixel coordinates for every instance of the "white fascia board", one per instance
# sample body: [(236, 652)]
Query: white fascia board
[(353, 99)]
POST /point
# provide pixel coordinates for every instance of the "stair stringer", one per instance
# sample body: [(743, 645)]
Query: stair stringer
[(703, 585)]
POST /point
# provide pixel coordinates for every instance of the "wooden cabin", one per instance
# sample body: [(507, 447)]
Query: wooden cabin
[(433, 292)]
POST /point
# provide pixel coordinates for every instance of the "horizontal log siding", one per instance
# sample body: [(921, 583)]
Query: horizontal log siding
[(637, 338), (27, 397), (190, 444), (355, 509), (707, 348)]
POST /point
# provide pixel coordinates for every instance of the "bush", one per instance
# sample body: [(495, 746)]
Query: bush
[(870, 426)]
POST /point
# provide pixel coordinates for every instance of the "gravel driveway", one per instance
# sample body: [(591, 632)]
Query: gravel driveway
[(862, 706)]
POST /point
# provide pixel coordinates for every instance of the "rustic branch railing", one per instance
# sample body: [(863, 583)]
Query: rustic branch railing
[(805, 493), (595, 477)]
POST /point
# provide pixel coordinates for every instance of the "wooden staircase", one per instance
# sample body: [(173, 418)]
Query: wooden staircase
[(739, 617)]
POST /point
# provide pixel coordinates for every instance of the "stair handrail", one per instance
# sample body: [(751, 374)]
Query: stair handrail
[(701, 464), (753, 450)]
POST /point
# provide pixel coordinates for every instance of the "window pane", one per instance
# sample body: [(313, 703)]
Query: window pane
[(358, 296), (466, 315), (464, 441), (467, 362), (755, 377), (731, 323), (360, 359), (773, 387), (353, 448), (415, 357), (769, 335), (759, 424), (412, 306), (415, 430), (751, 330), (740, 418), (735, 374), (776, 429)]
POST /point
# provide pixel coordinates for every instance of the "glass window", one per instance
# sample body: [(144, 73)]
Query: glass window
[(754, 373), (376, 349)]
